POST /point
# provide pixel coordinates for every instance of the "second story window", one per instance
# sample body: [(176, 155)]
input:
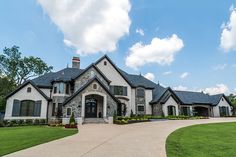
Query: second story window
[(59, 88), (119, 90), (140, 92)]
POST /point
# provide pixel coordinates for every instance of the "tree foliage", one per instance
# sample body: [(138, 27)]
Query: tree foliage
[(19, 69), (232, 99), (6, 87)]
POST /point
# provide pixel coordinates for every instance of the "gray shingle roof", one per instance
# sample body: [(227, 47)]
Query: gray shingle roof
[(158, 92), (214, 99), (63, 75), (188, 97), (138, 80)]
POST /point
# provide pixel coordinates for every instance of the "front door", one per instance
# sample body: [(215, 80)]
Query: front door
[(91, 108)]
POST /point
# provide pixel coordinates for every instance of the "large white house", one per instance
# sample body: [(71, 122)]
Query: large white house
[(102, 89)]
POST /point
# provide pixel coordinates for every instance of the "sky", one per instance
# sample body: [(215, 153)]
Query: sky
[(187, 45)]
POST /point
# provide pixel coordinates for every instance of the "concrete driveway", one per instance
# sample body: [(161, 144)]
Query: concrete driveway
[(104, 140)]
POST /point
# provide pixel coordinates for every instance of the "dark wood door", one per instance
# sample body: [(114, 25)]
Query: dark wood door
[(91, 109)]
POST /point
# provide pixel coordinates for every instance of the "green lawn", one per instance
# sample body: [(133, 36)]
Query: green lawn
[(16, 138), (207, 140)]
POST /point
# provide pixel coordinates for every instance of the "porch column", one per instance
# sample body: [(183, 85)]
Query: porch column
[(83, 106)]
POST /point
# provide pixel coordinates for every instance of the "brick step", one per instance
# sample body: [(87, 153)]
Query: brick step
[(94, 121)]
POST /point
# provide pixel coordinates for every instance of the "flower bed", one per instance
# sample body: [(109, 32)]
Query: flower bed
[(129, 120), (68, 126)]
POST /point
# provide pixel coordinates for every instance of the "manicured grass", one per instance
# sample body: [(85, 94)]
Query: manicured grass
[(16, 138), (206, 140)]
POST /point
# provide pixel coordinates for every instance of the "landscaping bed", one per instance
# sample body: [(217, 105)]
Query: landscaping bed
[(146, 118)]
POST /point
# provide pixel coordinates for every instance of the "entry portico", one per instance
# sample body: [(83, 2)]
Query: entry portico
[(102, 104)]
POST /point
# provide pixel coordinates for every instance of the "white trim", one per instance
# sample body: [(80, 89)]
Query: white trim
[(96, 93)]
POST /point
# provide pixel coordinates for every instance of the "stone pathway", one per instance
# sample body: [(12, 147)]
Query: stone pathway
[(104, 140)]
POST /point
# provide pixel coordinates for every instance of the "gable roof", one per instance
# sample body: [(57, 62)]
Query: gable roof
[(131, 79), (23, 85), (159, 94), (95, 78), (116, 68), (95, 67), (215, 99)]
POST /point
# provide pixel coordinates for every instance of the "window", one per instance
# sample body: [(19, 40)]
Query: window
[(59, 88), (140, 92), (27, 108), (59, 110), (67, 88), (171, 110), (105, 63), (53, 109), (141, 108), (68, 111), (94, 86), (29, 90), (185, 111), (119, 90), (224, 111)]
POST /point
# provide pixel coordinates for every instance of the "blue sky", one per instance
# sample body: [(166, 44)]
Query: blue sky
[(37, 27)]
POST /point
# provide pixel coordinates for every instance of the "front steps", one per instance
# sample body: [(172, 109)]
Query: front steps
[(94, 121)]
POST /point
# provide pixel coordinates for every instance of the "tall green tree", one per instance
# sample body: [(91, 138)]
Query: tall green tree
[(19, 69), (232, 99), (6, 86)]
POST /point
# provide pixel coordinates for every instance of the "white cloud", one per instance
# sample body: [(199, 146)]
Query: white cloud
[(150, 76), (160, 51), (220, 67), (140, 31), (184, 75), (228, 35), (218, 89), (180, 88), (90, 26), (167, 73)]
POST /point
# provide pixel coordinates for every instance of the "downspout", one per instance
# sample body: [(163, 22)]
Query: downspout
[(48, 105)]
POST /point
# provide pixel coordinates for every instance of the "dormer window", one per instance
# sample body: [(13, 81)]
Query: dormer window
[(59, 88), (29, 90)]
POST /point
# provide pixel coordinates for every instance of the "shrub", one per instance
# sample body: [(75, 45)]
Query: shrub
[(131, 113), (20, 122), (29, 121), (72, 119), (42, 121), (36, 122)]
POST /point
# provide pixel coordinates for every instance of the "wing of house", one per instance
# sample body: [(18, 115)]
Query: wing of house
[(101, 90)]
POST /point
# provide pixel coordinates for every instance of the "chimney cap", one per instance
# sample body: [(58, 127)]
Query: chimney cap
[(76, 59)]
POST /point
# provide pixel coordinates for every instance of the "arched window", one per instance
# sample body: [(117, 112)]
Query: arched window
[(68, 111), (29, 90), (171, 110), (105, 63), (95, 86)]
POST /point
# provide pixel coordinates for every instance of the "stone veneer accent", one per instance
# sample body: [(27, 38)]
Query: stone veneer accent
[(157, 110), (83, 79), (76, 102)]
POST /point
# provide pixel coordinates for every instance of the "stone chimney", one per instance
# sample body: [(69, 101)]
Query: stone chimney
[(76, 62)]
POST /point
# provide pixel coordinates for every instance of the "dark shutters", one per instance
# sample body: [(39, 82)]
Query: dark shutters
[(16, 108), (125, 91), (37, 108)]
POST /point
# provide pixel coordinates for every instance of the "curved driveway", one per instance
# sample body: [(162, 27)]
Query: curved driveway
[(104, 140)]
